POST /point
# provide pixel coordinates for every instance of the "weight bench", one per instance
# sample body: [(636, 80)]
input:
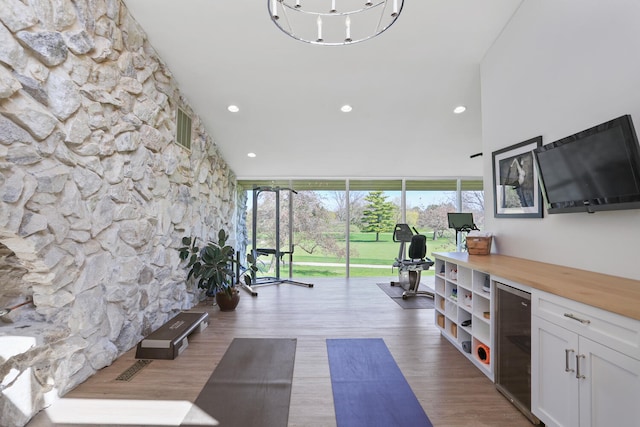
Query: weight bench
[(411, 267), (265, 281), (170, 339)]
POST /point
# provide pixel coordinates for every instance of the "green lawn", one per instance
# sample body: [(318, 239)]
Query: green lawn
[(382, 252)]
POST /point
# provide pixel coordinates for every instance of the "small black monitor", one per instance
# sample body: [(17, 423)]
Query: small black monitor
[(461, 221)]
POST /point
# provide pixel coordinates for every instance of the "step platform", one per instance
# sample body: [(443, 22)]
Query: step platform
[(170, 339)]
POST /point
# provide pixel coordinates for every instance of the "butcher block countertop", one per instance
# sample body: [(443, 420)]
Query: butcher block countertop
[(615, 294)]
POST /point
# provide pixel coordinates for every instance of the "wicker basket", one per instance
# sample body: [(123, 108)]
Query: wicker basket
[(477, 245), (441, 321)]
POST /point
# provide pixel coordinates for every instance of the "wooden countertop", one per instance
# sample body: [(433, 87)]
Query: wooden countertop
[(611, 293)]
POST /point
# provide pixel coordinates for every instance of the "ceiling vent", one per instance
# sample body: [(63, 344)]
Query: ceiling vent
[(183, 129)]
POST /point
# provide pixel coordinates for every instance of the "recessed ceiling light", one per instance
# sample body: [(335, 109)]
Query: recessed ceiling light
[(346, 108), (460, 109), (233, 108), (251, 154)]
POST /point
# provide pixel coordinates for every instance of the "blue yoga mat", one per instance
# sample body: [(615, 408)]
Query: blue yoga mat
[(368, 387)]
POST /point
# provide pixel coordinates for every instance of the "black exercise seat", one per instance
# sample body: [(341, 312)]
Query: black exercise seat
[(263, 251), (416, 261)]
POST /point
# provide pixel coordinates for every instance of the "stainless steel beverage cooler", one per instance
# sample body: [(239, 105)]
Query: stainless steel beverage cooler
[(513, 343)]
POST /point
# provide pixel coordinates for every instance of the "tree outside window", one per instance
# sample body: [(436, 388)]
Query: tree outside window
[(378, 215)]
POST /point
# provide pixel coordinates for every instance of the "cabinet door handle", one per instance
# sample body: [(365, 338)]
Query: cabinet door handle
[(566, 359), (578, 374), (574, 317)]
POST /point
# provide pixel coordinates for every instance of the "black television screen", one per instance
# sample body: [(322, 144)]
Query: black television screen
[(461, 221), (596, 169)]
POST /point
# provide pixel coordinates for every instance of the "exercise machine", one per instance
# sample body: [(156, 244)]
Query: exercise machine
[(274, 252), (411, 265), (170, 339), (462, 222)]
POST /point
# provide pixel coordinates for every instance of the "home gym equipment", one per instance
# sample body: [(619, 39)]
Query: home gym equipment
[(483, 353), (410, 267), (462, 222), (170, 339), (275, 252)]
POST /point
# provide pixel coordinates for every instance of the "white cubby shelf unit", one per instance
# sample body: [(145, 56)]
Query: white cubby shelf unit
[(464, 311)]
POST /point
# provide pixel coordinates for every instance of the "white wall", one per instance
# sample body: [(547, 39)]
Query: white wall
[(560, 67)]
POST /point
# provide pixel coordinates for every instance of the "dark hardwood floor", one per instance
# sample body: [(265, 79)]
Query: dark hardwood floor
[(451, 390)]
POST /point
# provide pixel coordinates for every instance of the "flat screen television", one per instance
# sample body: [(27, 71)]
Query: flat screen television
[(594, 170)]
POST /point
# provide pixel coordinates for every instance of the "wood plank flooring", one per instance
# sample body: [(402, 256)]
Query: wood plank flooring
[(451, 390)]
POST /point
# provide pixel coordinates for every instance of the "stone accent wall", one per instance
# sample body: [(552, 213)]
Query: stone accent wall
[(242, 233), (95, 195)]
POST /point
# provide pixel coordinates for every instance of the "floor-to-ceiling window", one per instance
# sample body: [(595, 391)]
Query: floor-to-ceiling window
[(316, 225), (375, 206), (319, 228), (429, 202), (472, 196), (345, 227), (268, 224)]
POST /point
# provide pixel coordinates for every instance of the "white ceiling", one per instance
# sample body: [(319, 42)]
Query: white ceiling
[(403, 86)]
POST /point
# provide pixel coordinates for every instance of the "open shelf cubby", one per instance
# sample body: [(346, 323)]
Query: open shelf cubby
[(482, 309), (464, 310), (463, 277)]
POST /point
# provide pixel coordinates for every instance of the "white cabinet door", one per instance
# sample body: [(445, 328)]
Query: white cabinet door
[(610, 389), (554, 388), (578, 382)]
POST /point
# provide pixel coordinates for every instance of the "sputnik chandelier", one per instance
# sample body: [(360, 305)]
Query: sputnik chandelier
[(334, 22)]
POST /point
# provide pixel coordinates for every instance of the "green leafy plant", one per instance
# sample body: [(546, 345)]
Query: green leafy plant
[(213, 265)]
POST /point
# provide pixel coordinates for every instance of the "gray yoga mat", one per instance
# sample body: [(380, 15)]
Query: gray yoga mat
[(251, 386), (395, 292)]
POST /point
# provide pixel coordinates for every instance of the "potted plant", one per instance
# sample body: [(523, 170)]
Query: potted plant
[(213, 267)]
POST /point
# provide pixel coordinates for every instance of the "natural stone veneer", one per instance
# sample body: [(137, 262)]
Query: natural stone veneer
[(95, 195)]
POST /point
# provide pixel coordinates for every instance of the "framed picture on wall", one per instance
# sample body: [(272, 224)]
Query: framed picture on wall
[(516, 190)]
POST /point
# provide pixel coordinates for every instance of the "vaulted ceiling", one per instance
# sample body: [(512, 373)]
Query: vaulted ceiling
[(403, 86)]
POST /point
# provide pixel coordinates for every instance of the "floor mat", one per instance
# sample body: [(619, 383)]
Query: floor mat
[(395, 292), (368, 387), (251, 386)]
